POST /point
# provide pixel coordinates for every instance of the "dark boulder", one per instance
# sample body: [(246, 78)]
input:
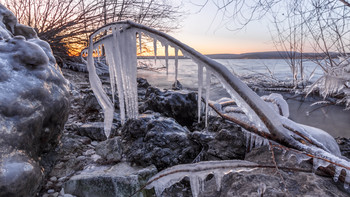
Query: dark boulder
[(180, 106), (222, 145), (95, 130), (153, 139), (110, 150)]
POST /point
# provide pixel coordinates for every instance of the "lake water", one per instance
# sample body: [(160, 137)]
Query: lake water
[(332, 119)]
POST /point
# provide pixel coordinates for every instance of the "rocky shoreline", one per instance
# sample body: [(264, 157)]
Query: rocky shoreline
[(166, 134)]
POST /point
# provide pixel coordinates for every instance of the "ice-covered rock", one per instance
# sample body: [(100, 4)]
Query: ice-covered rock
[(153, 139), (34, 105), (110, 150), (118, 180)]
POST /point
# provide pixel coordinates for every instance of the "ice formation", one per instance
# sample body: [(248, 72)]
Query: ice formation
[(120, 49), (200, 88), (121, 56), (166, 48), (254, 141), (197, 173), (335, 79), (155, 51), (207, 94), (176, 64), (278, 103)]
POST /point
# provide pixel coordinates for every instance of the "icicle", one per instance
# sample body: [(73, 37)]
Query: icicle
[(283, 154), (176, 65), (102, 98), (258, 142), (127, 49), (197, 183), (218, 178), (337, 172), (200, 87), (194, 185), (265, 142), (98, 55), (347, 180), (155, 51), (110, 62), (140, 43), (201, 178), (318, 163), (117, 65), (207, 93), (261, 189), (247, 138), (122, 48), (159, 190), (252, 140), (167, 59)]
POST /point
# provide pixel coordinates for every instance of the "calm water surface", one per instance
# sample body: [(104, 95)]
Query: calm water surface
[(332, 119)]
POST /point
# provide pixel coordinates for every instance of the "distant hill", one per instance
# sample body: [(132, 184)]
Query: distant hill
[(270, 55), (257, 55)]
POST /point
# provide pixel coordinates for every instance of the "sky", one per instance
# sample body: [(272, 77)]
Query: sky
[(203, 31)]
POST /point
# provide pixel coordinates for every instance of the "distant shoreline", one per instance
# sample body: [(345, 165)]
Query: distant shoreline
[(259, 55)]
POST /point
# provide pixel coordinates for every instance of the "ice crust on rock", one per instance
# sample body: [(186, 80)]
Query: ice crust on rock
[(34, 106)]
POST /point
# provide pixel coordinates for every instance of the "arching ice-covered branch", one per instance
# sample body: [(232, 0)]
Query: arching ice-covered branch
[(120, 50), (262, 115)]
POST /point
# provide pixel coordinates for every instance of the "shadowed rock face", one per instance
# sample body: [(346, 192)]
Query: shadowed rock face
[(153, 139), (182, 107), (34, 106)]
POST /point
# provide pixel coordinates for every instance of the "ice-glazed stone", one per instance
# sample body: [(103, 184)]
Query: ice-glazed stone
[(34, 105)]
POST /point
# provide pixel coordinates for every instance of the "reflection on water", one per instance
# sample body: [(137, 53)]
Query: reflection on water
[(332, 119)]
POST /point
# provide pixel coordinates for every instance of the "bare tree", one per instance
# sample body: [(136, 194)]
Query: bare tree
[(66, 24), (321, 26)]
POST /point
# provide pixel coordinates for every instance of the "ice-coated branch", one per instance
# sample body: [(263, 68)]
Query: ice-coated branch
[(264, 117), (198, 172)]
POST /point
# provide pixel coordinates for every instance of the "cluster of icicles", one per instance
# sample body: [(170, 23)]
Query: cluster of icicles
[(119, 45)]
